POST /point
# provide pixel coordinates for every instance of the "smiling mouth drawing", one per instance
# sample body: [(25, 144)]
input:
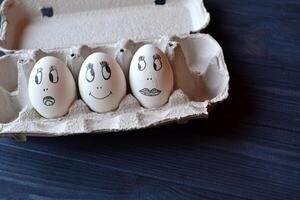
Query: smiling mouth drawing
[(48, 101), (100, 98), (150, 93)]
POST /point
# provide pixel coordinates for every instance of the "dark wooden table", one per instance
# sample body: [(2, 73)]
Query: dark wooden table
[(249, 148)]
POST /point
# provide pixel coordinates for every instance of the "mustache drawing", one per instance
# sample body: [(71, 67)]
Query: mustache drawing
[(150, 93), (48, 101)]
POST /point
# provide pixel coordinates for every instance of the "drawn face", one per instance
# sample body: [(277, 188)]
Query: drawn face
[(157, 66), (102, 84), (53, 78), (51, 87), (151, 76), (90, 77)]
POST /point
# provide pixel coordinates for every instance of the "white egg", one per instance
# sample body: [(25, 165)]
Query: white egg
[(51, 87), (151, 76), (101, 82)]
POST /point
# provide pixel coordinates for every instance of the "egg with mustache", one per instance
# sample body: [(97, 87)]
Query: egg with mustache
[(101, 82), (52, 88), (151, 77)]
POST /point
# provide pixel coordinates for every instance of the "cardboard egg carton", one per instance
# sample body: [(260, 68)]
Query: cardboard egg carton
[(72, 30)]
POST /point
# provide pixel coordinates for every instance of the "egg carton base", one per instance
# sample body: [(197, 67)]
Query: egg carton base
[(200, 80), (129, 116)]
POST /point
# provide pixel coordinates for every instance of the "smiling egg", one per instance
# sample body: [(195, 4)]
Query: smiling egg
[(101, 82), (151, 76), (51, 87)]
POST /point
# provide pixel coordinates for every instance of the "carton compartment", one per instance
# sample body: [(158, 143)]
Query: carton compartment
[(205, 58), (50, 24), (9, 105), (8, 73), (201, 79)]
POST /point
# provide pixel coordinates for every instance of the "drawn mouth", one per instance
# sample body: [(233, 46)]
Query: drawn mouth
[(100, 98), (150, 93), (48, 101)]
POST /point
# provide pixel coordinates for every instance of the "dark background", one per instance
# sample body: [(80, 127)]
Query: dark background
[(249, 148)]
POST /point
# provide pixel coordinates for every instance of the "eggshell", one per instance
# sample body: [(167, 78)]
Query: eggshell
[(151, 76), (101, 82), (51, 87)]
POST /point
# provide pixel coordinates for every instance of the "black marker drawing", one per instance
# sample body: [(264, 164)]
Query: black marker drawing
[(142, 63), (100, 98), (39, 76), (48, 101), (53, 74), (150, 93), (47, 11), (90, 73), (160, 2), (106, 72), (157, 64)]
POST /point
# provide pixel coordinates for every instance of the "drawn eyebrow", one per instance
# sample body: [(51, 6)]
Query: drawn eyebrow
[(156, 56), (53, 67), (141, 58), (104, 64), (90, 66)]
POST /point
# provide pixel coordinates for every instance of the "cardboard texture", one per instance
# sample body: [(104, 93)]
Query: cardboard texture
[(72, 30)]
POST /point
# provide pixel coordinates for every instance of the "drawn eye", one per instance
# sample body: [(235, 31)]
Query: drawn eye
[(53, 75), (90, 73), (106, 72), (142, 63), (157, 62), (38, 76)]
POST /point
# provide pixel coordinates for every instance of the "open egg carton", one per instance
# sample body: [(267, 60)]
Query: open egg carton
[(72, 30)]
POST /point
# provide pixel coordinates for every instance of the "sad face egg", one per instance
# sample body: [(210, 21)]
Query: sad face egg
[(151, 76), (102, 83), (51, 87)]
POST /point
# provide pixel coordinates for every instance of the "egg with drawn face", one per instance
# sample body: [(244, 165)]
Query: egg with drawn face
[(51, 87), (102, 83), (151, 77)]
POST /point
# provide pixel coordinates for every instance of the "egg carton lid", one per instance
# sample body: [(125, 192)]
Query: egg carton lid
[(52, 24)]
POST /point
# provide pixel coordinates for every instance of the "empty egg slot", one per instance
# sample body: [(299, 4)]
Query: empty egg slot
[(9, 107), (9, 102), (204, 59), (8, 73)]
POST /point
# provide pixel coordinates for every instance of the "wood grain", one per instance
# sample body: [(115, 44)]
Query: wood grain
[(249, 148)]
